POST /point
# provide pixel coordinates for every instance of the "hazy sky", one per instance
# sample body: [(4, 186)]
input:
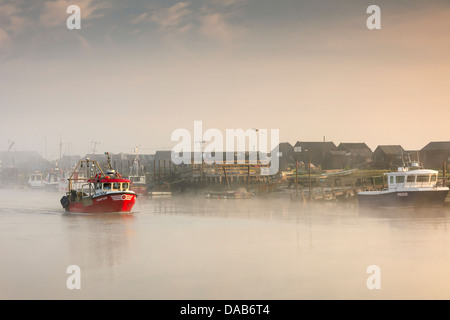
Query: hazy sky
[(137, 70)]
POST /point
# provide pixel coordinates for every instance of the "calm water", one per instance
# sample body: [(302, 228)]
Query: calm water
[(197, 248)]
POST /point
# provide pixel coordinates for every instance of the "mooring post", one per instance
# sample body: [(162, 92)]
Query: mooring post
[(296, 177), (248, 177), (309, 173), (444, 172)]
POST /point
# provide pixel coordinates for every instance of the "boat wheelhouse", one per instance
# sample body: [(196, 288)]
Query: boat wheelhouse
[(36, 180), (96, 191), (54, 179), (409, 186)]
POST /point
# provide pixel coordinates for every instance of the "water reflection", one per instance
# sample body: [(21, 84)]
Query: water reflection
[(100, 240), (190, 247), (255, 208)]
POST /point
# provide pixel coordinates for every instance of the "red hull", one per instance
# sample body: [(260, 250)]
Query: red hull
[(115, 202)]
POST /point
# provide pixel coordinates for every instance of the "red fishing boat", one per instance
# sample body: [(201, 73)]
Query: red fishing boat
[(93, 191)]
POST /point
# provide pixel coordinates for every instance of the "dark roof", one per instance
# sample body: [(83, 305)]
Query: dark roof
[(356, 149), (146, 157), (285, 145), (327, 145), (68, 161), (163, 155), (437, 145), (132, 156), (22, 159), (99, 157), (391, 149), (23, 155), (354, 146), (338, 153), (285, 148)]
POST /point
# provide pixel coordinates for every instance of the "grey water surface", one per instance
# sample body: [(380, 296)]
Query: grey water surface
[(190, 247)]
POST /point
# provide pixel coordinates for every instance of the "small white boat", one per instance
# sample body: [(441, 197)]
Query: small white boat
[(410, 186), (160, 193), (36, 181), (53, 179), (229, 194)]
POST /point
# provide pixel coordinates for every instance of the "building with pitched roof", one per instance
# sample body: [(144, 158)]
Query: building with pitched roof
[(315, 151), (390, 155), (359, 152), (435, 153)]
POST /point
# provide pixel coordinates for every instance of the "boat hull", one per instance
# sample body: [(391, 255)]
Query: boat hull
[(110, 203), (140, 189), (410, 198), (229, 195)]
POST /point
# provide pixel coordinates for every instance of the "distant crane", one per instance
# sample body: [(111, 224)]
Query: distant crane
[(95, 146)]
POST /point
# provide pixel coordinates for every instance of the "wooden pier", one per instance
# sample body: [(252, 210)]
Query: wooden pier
[(254, 177), (327, 194), (221, 176)]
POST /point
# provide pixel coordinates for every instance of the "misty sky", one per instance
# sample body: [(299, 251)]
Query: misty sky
[(137, 70)]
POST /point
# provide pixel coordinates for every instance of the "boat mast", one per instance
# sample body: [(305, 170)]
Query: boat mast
[(108, 164), (403, 159)]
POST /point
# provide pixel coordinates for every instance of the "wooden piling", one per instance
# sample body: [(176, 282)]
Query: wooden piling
[(296, 177), (444, 172), (248, 177), (309, 173)]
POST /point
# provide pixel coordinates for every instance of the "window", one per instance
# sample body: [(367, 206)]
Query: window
[(391, 179), (433, 178), (116, 186), (107, 186), (124, 186), (423, 178), (411, 178), (400, 179)]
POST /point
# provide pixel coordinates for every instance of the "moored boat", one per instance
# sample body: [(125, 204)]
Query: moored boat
[(408, 187), (96, 191), (137, 177), (53, 179), (229, 194), (36, 180)]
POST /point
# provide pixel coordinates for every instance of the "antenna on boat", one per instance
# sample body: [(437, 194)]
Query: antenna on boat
[(403, 159), (108, 164)]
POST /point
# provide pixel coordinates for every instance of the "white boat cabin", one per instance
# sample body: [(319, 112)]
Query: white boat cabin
[(111, 186), (406, 179), (36, 180)]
